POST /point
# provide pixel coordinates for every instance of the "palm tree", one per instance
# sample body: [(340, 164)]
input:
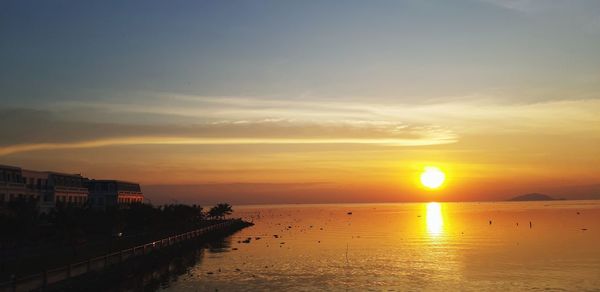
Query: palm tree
[(220, 211)]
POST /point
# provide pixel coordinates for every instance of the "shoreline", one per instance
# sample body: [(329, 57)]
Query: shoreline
[(102, 264)]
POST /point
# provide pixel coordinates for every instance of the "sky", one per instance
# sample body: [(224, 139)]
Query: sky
[(305, 101)]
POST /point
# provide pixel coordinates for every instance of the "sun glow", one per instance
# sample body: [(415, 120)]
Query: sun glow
[(432, 177), (435, 221)]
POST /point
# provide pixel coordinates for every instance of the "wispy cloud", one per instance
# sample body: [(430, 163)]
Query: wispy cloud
[(19, 148), (517, 5), (242, 121), (584, 14), (468, 114), (59, 134)]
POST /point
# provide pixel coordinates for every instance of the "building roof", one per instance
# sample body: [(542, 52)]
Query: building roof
[(10, 167), (38, 171), (62, 173), (65, 174)]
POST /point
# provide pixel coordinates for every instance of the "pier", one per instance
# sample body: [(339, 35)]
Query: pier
[(102, 263)]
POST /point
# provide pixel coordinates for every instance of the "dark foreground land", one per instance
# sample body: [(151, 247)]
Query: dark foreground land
[(32, 242), (156, 269)]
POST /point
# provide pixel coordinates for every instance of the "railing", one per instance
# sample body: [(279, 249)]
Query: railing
[(41, 280)]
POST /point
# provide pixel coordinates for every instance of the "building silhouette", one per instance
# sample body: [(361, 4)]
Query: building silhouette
[(49, 189), (107, 193)]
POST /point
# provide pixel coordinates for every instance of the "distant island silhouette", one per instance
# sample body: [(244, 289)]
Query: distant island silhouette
[(532, 197)]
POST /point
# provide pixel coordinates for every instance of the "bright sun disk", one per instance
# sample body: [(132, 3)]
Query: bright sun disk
[(432, 177)]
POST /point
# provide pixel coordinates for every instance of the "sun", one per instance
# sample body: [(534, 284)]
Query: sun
[(432, 177)]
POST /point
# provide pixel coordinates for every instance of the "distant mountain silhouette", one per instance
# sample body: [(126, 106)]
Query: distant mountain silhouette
[(532, 197), (574, 192)]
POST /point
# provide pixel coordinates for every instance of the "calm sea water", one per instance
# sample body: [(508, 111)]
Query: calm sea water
[(405, 247)]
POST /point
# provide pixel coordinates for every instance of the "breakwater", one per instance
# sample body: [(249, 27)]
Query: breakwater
[(103, 263)]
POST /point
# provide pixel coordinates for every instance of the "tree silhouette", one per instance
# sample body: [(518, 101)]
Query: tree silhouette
[(220, 211)]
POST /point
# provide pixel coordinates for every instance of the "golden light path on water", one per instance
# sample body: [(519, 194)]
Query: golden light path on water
[(434, 246), (435, 220)]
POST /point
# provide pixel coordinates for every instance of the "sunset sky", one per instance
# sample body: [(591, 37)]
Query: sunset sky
[(305, 101)]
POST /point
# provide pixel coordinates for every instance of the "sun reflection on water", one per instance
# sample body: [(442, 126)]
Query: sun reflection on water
[(435, 221)]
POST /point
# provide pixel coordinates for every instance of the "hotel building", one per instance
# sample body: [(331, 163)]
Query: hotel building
[(50, 189), (107, 193)]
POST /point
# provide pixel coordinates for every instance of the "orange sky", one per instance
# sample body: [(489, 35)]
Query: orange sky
[(492, 160), (306, 101)]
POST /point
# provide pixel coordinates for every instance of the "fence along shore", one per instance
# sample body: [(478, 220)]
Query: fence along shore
[(98, 264)]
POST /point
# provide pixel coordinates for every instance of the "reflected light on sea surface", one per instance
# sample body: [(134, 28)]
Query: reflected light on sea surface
[(435, 221), (404, 247)]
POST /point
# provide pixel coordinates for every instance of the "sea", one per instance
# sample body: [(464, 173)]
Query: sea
[(475, 246)]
